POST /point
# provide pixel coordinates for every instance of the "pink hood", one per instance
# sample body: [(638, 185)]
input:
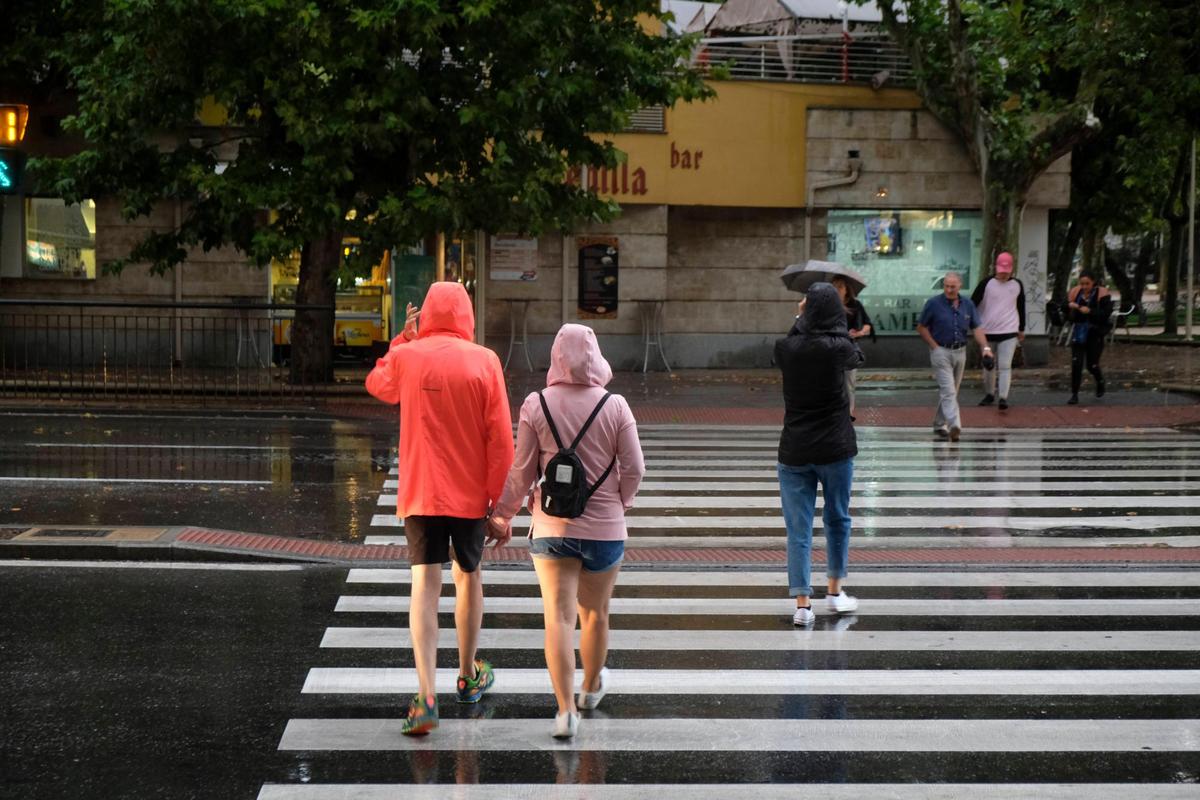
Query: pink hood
[(576, 359), (447, 311)]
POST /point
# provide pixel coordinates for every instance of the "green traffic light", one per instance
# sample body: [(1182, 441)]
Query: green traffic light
[(12, 163)]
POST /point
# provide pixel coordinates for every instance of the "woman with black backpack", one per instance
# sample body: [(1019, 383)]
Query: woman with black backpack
[(578, 450)]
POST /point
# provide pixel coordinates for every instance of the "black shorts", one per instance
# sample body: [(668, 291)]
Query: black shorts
[(429, 540)]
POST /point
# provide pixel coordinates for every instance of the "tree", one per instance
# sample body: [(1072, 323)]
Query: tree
[(1015, 81), (380, 119)]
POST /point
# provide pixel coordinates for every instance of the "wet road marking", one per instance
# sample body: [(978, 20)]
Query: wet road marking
[(874, 486), (370, 680), (670, 606), (758, 735), (724, 791), (868, 502), (955, 521), (777, 577), (863, 541), (798, 640)]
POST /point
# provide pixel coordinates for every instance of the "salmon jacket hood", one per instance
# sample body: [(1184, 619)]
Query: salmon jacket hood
[(447, 312), (575, 358)]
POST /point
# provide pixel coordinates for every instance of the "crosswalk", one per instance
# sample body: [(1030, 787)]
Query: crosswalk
[(1046, 680)]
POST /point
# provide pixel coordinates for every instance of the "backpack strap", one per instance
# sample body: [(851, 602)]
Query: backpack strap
[(550, 420), (586, 425), (591, 491)]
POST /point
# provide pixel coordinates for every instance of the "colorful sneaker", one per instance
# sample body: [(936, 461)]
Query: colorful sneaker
[(471, 690), (422, 716)]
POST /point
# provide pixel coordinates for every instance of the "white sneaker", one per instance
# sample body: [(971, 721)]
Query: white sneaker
[(566, 725), (841, 603), (804, 616), (589, 700)]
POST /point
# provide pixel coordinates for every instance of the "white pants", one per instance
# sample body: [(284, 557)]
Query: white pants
[(1004, 358), (948, 366)]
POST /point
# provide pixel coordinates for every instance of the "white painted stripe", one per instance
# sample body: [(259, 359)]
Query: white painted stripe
[(872, 542), (982, 448), (982, 473), (155, 565), (951, 522), (711, 791), (931, 502), (897, 465), (758, 735), (901, 430), (181, 481), (982, 487), (1091, 683), (799, 640), (777, 577), (669, 606)]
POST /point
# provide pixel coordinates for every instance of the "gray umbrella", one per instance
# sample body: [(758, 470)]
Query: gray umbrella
[(799, 277)]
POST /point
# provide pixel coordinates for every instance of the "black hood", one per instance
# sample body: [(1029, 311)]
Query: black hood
[(823, 310)]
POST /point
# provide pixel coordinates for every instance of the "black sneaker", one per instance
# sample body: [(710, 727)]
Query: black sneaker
[(988, 400), (1002, 405), (1100, 389), (1074, 401)]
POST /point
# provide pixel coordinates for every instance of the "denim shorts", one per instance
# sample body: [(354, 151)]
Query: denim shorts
[(597, 556)]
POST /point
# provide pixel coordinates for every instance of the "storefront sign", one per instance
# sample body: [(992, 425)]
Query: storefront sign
[(514, 258), (598, 265)]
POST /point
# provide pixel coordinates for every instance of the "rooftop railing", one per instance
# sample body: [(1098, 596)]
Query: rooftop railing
[(872, 59)]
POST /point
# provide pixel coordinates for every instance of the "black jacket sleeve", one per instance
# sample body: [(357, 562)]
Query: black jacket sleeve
[(866, 318), (977, 295), (1020, 306)]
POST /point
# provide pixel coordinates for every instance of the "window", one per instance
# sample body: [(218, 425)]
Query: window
[(60, 239), (904, 255)]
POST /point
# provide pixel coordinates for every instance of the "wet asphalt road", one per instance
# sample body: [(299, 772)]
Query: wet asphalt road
[(148, 682), (305, 477)]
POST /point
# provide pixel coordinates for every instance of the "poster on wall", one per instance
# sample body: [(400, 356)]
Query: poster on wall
[(514, 258), (598, 265)]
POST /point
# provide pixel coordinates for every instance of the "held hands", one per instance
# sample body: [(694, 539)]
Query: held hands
[(410, 321), (497, 532)]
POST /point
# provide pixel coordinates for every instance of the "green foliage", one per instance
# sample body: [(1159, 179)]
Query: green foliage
[(407, 116)]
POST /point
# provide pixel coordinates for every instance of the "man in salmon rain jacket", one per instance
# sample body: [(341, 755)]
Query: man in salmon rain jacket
[(456, 447)]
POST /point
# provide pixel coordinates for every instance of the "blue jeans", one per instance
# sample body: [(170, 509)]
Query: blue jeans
[(798, 492), (596, 555)]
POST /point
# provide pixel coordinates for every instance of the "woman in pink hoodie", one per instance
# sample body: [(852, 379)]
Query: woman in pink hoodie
[(577, 559)]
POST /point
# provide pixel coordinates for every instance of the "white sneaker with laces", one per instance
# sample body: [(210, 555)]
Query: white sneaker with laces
[(841, 603), (589, 700), (566, 725), (804, 616)]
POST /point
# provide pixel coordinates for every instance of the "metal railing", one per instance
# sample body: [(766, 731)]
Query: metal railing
[(96, 350), (873, 59)]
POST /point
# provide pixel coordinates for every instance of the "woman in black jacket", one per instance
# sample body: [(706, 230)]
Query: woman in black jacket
[(1089, 308), (858, 325), (817, 445)]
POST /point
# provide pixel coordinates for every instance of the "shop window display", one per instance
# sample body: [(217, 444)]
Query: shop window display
[(904, 255)]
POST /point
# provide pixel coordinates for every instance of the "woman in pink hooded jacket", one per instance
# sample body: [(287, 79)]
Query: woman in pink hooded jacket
[(577, 559)]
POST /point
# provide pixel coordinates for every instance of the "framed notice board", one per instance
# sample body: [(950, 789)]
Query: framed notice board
[(598, 266)]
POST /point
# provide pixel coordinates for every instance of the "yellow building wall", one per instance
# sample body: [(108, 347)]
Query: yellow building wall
[(746, 147)]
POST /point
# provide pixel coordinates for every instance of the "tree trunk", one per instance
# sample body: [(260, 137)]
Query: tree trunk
[(312, 331), (1064, 257), (1170, 282), (1120, 278), (1003, 206)]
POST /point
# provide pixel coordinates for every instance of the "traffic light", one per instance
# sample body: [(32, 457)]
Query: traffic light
[(13, 118), (12, 170)]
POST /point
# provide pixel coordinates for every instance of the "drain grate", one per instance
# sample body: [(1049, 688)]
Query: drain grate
[(73, 533)]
